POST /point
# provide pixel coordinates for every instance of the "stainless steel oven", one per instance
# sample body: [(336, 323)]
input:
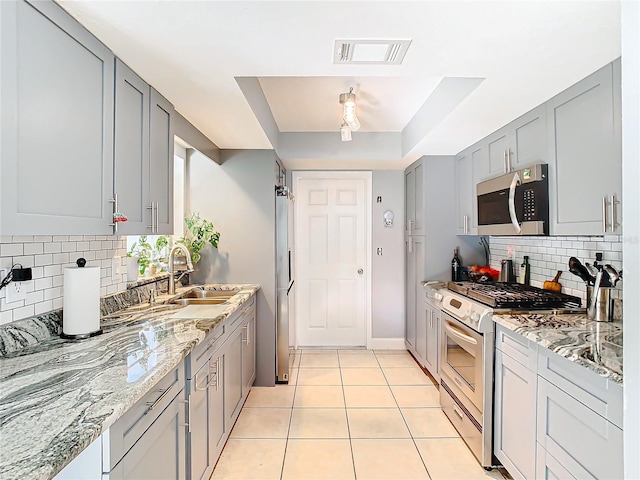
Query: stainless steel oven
[(463, 358), (466, 372)]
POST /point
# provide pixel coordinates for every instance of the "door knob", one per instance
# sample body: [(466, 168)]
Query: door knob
[(360, 271)]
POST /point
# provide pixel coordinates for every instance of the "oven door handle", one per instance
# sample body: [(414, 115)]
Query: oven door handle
[(458, 334), (512, 202)]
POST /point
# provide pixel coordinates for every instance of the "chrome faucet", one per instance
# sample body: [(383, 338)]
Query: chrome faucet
[(172, 281)]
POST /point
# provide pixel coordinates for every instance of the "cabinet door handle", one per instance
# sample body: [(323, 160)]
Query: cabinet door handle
[(614, 213), (151, 207), (153, 405), (604, 214), (188, 423), (459, 414), (410, 245), (466, 224), (114, 200), (505, 159), (157, 216)]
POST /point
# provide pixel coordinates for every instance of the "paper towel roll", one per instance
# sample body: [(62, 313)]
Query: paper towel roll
[(81, 302)]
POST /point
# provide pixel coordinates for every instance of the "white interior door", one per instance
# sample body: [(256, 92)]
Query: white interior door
[(332, 238)]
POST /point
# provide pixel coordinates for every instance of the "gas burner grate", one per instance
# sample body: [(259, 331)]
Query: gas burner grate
[(509, 295)]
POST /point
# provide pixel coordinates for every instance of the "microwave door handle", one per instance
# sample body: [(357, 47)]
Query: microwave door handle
[(512, 203)]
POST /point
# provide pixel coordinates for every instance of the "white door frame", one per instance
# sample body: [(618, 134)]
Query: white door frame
[(367, 176)]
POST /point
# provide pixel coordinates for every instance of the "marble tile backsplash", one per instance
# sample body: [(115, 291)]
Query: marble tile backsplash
[(48, 255), (547, 255)]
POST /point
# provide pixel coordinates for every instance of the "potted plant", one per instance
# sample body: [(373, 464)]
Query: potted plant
[(142, 250), (201, 233)]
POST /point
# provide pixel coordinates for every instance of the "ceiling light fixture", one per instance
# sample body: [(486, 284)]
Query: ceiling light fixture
[(345, 132), (350, 121)]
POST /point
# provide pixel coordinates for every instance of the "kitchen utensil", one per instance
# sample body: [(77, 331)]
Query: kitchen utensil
[(613, 274), (578, 269), (506, 271), (553, 285), (593, 271)]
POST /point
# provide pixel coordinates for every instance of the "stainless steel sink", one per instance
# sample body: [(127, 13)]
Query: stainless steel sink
[(205, 297), (210, 294), (200, 301)]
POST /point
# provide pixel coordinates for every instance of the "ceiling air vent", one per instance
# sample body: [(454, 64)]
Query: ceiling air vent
[(370, 52)]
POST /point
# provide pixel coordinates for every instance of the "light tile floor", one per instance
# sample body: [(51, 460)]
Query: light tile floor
[(347, 414)]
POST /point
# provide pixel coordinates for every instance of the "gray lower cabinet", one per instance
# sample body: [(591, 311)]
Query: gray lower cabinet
[(514, 418), (415, 273), (56, 123), (233, 377), (160, 452), (143, 161), (248, 351), (432, 343), (553, 417), (585, 149), (206, 433)]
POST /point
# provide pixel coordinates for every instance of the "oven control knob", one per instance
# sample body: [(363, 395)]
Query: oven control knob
[(475, 317)]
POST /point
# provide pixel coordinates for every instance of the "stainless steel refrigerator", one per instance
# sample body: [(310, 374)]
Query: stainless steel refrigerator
[(284, 280)]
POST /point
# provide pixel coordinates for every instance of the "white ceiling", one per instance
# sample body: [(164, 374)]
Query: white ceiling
[(194, 51)]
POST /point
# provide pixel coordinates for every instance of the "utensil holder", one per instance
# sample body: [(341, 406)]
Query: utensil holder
[(604, 304)]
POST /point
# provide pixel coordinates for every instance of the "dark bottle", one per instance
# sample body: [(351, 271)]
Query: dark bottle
[(525, 272), (455, 266)]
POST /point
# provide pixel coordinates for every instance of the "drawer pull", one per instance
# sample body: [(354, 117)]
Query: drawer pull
[(153, 405), (455, 410)]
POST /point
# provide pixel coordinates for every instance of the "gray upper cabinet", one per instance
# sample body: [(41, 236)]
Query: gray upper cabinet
[(131, 163), (161, 164), (56, 164), (585, 153), (143, 161), (465, 194), (414, 182), (521, 143)]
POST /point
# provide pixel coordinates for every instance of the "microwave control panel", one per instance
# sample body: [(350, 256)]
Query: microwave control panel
[(529, 204)]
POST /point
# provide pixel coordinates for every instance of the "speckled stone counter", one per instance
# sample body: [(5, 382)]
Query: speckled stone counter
[(58, 396), (594, 345)]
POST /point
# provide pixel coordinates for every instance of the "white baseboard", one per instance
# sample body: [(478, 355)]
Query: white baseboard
[(387, 344)]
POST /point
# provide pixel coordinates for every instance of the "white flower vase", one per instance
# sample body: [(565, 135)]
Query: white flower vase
[(132, 269)]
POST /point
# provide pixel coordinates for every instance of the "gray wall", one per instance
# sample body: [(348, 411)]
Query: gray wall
[(387, 282), (238, 197)]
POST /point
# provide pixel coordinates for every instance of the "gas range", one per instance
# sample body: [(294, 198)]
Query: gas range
[(504, 297)]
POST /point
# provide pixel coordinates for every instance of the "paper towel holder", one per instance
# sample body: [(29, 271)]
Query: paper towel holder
[(80, 262)]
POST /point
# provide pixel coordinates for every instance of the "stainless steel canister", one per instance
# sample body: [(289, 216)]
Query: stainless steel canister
[(604, 304)]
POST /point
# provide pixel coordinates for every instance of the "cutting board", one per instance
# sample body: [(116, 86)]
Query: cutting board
[(201, 311)]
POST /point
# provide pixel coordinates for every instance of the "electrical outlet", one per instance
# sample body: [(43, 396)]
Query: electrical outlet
[(116, 269), (16, 291)]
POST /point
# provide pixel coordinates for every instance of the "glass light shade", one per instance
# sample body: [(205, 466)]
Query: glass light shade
[(345, 133)]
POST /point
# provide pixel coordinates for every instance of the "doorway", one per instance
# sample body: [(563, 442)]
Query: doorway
[(332, 214)]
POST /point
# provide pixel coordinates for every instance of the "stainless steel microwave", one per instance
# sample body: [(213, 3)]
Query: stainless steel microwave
[(515, 204)]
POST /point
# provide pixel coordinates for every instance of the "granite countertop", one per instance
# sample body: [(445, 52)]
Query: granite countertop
[(594, 345), (57, 397)]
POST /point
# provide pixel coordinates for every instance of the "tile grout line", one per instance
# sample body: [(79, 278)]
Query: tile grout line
[(413, 440), (344, 398), (293, 401)]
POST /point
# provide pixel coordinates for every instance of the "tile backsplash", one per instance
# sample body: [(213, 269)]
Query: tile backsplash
[(48, 255), (547, 255)]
